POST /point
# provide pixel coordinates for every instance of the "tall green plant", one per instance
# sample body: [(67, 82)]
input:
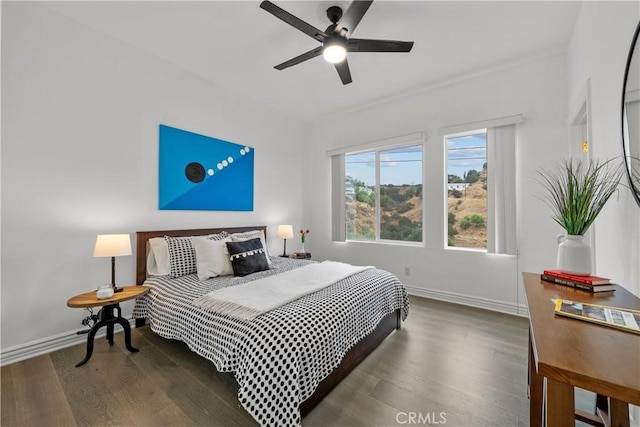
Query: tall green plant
[(576, 193)]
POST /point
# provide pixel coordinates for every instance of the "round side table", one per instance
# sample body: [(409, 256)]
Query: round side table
[(107, 315)]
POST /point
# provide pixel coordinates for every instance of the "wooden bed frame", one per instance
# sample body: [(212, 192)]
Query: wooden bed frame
[(353, 357)]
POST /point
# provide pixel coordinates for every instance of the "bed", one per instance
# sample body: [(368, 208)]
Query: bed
[(287, 359)]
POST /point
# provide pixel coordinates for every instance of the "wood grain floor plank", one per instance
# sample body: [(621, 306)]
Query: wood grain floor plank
[(475, 380), (38, 397), (84, 388), (221, 383), (188, 390), (465, 362), (406, 401), (8, 416), (451, 386), (138, 397), (353, 399)]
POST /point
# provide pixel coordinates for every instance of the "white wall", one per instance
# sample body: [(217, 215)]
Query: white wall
[(597, 53), (80, 115), (537, 90)]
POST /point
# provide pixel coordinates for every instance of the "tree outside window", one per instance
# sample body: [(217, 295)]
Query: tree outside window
[(467, 190), (383, 195)]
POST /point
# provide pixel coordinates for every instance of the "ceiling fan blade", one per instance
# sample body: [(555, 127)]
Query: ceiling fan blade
[(300, 58), (370, 45), (353, 15), (294, 21), (343, 71)]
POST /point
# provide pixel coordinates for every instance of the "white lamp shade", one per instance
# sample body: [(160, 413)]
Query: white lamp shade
[(285, 231), (112, 245), (334, 53)]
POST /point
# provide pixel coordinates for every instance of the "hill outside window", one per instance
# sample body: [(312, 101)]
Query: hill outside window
[(383, 195), (481, 185), (467, 189)]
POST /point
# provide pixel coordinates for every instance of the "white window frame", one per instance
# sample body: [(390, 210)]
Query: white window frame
[(446, 182), (501, 237), (338, 213)]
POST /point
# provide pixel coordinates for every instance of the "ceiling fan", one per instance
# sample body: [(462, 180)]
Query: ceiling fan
[(336, 39)]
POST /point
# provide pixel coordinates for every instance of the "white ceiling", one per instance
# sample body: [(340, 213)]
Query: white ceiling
[(236, 44)]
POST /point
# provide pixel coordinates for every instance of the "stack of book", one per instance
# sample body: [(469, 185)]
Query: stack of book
[(586, 283), (301, 255)]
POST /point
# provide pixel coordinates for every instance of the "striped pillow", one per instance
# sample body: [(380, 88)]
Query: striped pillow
[(182, 254)]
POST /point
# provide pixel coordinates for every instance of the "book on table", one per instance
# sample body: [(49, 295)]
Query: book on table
[(620, 318), (587, 280), (301, 255), (578, 285)]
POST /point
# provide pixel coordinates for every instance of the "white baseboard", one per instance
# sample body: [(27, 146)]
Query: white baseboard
[(47, 345), (473, 301)]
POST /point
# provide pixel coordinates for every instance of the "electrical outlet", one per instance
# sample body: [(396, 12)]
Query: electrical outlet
[(407, 271)]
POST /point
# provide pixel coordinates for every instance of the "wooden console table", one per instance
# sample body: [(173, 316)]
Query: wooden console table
[(565, 353)]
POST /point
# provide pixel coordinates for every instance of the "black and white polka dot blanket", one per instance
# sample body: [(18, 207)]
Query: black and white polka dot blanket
[(278, 358)]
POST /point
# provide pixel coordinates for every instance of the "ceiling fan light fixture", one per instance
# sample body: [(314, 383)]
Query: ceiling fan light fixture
[(336, 39), (334, 53)]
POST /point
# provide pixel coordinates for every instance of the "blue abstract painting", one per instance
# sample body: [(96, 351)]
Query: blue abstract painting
[(198, 172)]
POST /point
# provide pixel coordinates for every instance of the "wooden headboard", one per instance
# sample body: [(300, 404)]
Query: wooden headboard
[(142, 238)]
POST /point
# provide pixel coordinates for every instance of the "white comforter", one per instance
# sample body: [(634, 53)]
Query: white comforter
[(249, 300)]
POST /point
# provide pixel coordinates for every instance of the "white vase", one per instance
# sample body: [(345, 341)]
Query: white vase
[(302, 249), (574, 255)]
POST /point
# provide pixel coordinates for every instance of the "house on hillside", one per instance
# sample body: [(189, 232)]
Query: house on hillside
[(460, 186)]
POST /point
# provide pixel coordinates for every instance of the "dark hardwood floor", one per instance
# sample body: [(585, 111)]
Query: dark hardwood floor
[(448, 365)]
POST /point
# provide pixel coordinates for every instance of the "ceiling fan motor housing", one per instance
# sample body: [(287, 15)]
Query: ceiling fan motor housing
[(335, 40), (334, 13)]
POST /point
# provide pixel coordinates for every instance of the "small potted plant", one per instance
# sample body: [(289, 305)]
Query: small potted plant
[(303, 234), (576, 193)]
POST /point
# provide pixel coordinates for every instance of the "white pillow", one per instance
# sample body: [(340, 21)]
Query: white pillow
[(254, 234), (212, 257), (158, 260), (160, 265), (152, 268)]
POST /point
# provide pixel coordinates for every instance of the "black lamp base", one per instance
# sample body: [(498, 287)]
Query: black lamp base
[(284, 252), (113, 276)]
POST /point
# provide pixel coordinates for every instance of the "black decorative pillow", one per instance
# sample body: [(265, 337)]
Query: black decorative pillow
[(247, 257), (182, 254)]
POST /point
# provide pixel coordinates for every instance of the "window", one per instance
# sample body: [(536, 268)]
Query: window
[(481, 185), (383, 194), (467, 189), (360, 196), (377, 189)]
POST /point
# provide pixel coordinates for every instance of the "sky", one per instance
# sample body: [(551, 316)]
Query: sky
[(404, 165), (465, 153), (398, 166)]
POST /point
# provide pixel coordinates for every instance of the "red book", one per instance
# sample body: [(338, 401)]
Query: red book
[(578, 285), (588, 280)]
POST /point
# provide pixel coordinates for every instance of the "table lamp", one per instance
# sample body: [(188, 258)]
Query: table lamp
[(112, 245), (285, 232)]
